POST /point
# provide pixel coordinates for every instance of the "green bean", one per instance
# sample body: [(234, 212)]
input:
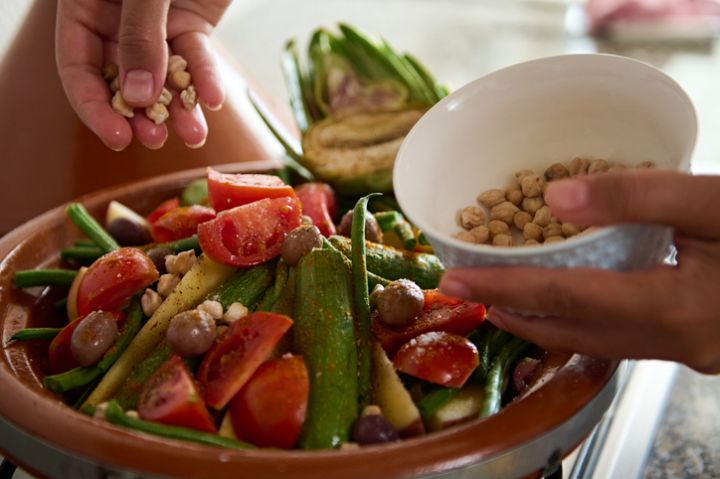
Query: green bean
[(84, 242), (406, 234), (43, 277), (60, 306), (362, 301), (496, 375), (81, 253), (87, 224), (373, 279), (115, 415), (29, 334), (81, 376)]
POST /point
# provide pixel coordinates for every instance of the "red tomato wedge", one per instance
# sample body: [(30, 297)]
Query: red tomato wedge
[(235, 356), (438, 357), (60, 357), (113, 278), (181, 222), (163, 208), (270, 410), (440, 313), (319, 203), (171, 397), (250, 234), (228, 190)]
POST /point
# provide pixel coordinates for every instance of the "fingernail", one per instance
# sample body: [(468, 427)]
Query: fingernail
[(568, 194), (197, 145), (138, 86), (217, 107), (454, 286)]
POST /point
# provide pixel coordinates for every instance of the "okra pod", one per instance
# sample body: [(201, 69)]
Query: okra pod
[(246, 286), (324, 334), (272, 295), (129, 392)]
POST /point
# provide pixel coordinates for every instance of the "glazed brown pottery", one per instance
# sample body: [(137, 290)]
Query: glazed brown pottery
[(519, 440)]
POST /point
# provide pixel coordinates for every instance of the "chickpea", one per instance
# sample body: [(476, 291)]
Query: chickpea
[(93, 336), (532, 242), (300, 242), (532, 231), (150, 302), (542, 216), (519, 175), (180, 263), (213, 308), (491, 198), (503, 212), (553, 229), (466, 236), (646, 164), (400, 302), (569, 229), (179, 80), (470, 217), (578, 166), (514, 196), (521, 218), (556, 171), (532, 185), (598, 166), (189, 98), (497, 227), (502, 240), (191, 333), (481, 233), (531, 205), (554, 239)]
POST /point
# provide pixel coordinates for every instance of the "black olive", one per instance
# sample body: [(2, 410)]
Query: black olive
[(372, 228), (157, 255), (300, 242), (128, 232), (373, 429)]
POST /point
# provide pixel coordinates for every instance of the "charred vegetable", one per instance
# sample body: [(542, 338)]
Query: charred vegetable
[(354, 102)]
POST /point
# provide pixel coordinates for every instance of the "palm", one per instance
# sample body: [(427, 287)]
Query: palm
[(88, 34)]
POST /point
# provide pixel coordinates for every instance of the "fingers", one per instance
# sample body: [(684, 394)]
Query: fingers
[(143, 50), (190, 126), (152, 136), (79, 55), (686, 202), (203, 67)]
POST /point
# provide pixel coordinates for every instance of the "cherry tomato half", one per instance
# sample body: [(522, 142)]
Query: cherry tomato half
[(113, 278), (319, 203), (171, 397), (270, 410), (438, 357), (250, 234), (227, 190), (163, 208), (236, 355), (181, 222), (440, 313)]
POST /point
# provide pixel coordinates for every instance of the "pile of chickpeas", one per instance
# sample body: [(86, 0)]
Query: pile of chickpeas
[(178, 81), (518, 215)]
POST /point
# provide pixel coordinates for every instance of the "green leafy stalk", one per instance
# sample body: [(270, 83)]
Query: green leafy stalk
[(362, 301), (439, 91), (43, 277), (115, 415), (296, 87), (87, 224)]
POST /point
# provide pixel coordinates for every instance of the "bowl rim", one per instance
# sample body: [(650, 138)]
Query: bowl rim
[(52, 422), (601, 232)]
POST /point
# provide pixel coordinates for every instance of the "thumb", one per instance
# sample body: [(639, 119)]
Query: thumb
[(688, 203), (143, 50)]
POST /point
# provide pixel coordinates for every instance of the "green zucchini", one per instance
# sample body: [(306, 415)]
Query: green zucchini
[(245, 286), (391, 263), (324, 334)]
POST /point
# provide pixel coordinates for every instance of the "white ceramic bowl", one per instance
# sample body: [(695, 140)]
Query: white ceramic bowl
[(531, 115)]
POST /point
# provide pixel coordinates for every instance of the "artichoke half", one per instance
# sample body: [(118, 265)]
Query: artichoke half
[(354, 102)]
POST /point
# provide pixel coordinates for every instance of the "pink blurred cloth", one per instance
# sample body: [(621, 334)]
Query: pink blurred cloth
[(602, 13)]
